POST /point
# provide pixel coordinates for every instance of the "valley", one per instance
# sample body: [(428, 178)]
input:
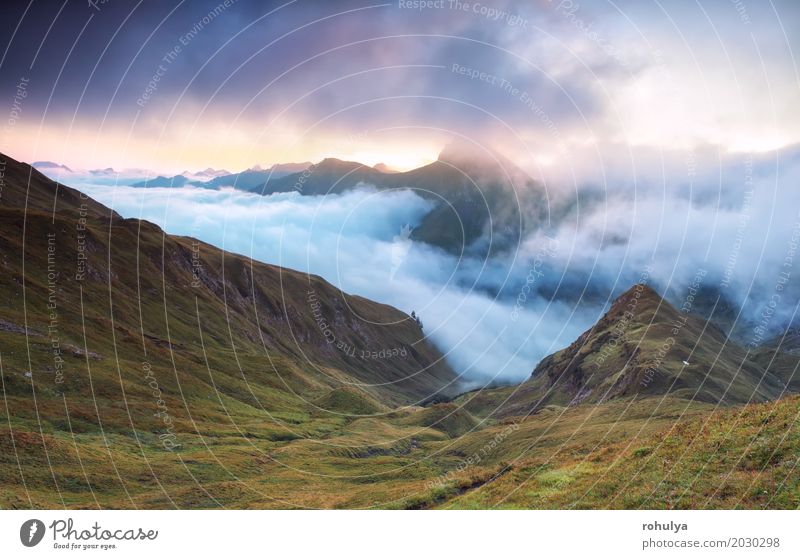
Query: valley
[(145, 370)]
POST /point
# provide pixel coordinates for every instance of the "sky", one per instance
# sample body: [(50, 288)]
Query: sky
[(549, 83)]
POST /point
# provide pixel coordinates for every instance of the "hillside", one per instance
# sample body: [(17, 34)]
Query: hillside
[(643, 346), (112, 328), (638, 456)]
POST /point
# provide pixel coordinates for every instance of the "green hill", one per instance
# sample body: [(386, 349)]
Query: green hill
[(643, 347), (733, 458)]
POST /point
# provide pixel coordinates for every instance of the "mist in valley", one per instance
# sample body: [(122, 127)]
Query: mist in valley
[(733, 221)]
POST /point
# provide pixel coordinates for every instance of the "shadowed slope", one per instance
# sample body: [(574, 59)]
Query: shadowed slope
[(644, 346)]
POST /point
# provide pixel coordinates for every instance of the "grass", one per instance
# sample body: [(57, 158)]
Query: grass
[(738, 457), (744, 457)]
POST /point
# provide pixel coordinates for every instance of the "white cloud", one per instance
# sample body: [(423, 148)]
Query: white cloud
[(350, 240)]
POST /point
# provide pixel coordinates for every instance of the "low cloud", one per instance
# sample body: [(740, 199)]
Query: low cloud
[(353, 240), (494, 320)]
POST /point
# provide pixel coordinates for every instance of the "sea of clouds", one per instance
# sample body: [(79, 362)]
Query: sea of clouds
[(495, 319)]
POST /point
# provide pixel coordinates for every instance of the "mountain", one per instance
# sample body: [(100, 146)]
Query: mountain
[(329, 176), (255, 176), (287, 168), (150, 371), (90, 283), (103, 172), (117, 337), (383, 168), (176, 181), (483, 203), (215, 179), (207, 173), (49, 166), (56, 171), (127, 172), (788, 342), (26, 187), (643, 347)]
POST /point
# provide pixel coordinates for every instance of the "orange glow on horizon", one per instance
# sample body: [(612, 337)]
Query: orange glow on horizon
[(85, 149)]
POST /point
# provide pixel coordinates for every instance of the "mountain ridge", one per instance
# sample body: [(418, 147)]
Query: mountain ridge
[(643, 347), (483, 205), (264, 308)]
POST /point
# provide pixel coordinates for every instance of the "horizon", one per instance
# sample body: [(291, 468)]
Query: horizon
[(379, 161), (258, 166)]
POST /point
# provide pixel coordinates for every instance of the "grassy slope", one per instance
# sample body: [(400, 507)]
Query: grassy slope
[(237, 355), (622, 454), (638, 349), (741, 457)]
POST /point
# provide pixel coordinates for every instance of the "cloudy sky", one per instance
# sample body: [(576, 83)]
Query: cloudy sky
[(176, 85)]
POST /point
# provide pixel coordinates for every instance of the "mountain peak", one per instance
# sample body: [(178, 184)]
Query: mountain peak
[(459, 152), (479, 161), (106, 171), (208, 172), (332, 164), (383, 168), (619, 355), (633, 301), (50, 165)]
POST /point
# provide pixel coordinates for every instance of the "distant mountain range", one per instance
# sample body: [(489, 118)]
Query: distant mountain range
[(483, 204), (50, 166), (208, 178), (255, 176), (167, 182), (208, 173)]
